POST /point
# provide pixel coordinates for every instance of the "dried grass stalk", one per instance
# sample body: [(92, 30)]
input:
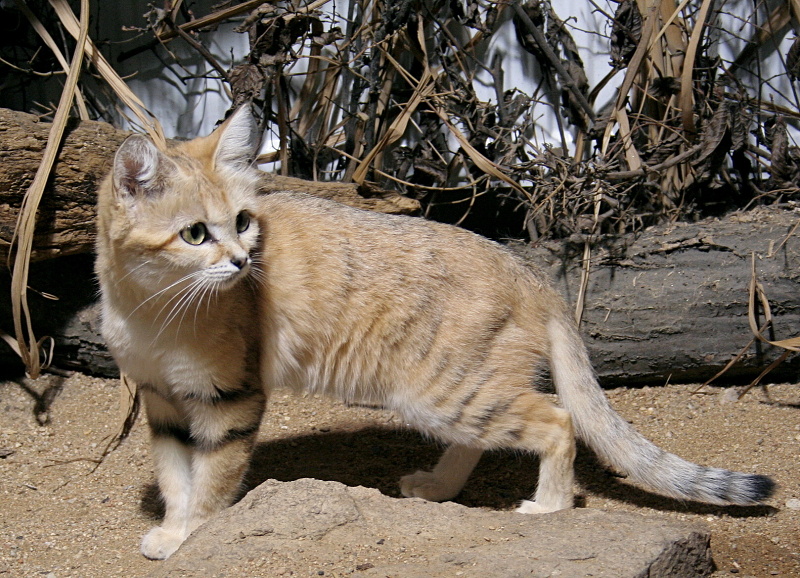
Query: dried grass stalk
[(28, 346)]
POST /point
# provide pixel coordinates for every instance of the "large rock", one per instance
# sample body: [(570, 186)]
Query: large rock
[(315, 528)]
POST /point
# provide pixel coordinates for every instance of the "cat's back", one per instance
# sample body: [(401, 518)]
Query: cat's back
[(356, 302), (317, 225), (320, 256)]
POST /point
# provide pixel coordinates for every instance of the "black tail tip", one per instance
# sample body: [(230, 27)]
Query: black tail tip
[(761, 487)]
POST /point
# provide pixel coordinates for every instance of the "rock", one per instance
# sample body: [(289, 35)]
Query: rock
[(312, 527), (729, 395), (793, 504)]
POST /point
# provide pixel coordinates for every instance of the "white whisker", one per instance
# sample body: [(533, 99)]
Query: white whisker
[(132, 271), (188, 296), (161, 292)]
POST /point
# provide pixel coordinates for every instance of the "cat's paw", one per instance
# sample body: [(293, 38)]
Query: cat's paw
[(530, 507), (160, 544), (428, 486)]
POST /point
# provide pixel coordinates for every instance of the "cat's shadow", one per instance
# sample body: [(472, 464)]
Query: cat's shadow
[(378, 457)]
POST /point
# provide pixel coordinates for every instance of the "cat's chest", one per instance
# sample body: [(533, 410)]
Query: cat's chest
[(183, 360)]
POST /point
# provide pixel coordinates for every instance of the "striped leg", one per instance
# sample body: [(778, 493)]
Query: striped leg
[(201, 449), (172, 457), (500, 416), (551, 435)]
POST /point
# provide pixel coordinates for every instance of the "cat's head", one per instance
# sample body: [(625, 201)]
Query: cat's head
[(182, 221)]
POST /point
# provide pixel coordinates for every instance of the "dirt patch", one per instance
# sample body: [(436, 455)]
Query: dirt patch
[(61, 519)]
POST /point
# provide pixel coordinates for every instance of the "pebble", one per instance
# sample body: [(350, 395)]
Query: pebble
[(729, 395), (793, 504)]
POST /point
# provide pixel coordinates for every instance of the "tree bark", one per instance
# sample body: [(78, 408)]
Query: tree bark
[(65, 222), (674, 306)]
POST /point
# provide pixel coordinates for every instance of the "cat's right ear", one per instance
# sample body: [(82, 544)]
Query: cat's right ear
[(238, 140), (136, 167)]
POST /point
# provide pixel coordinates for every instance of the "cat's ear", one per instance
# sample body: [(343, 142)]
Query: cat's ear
[(136, 167), (238, 140)]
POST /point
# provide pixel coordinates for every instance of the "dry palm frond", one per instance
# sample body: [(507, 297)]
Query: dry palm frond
[(758, 300), (389, 92), (27, 345), (686, 97), (51, 44), (757, 294), (125, 94), (791, 345)]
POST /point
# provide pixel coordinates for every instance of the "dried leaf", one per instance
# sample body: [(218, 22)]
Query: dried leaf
[(716, 142), (626, 33), (247, 82), (784, 159), (793, 60)]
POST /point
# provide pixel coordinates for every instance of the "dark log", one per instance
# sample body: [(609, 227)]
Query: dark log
[(674, 307), (65, 222)]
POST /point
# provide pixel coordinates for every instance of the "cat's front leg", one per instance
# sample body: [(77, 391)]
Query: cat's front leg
[(170, 443), (200, 467), (223, 433)]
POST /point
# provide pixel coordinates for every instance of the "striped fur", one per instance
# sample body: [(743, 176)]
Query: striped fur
[(443, 327)]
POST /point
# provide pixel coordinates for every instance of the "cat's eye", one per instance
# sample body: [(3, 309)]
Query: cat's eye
[(242, 222), (195, 234)]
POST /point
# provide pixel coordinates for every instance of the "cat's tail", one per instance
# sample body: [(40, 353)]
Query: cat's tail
[(621, 446)]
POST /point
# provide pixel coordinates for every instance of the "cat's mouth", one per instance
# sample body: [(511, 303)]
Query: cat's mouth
[(227, 275)]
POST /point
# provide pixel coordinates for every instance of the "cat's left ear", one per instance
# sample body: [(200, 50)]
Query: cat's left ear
[(238, 140)]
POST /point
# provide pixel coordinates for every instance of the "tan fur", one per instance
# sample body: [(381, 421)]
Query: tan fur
[(435, 323)]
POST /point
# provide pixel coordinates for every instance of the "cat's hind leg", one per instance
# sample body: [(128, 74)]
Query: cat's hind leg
[(446, 479), (505, 416), (549, 433)]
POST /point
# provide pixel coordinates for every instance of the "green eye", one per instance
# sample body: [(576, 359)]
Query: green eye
[(242, 222), (195, 234)]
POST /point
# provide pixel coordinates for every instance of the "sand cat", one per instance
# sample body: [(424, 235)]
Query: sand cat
[(213, 293)]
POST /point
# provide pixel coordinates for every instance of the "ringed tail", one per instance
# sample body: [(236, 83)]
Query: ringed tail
[(617, 443)]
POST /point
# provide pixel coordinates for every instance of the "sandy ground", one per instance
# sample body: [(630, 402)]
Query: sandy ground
[(64, 516)]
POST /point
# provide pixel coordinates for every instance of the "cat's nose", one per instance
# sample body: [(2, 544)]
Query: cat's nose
[(240, 262)]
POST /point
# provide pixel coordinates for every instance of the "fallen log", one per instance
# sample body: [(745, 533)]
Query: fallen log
[(65, 221), (672, 308), (674, 305)]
